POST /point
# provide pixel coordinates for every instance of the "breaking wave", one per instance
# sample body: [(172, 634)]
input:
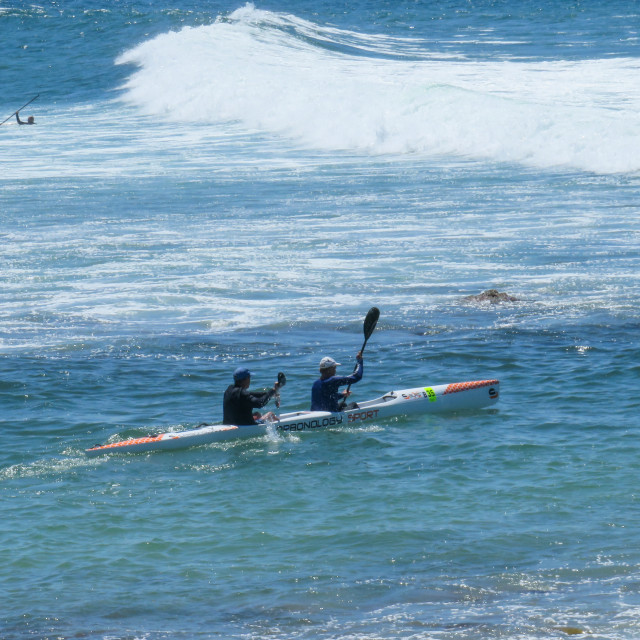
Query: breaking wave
[(335, 90)]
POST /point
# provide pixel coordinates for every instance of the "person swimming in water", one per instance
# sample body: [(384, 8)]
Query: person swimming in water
[(30, 119)]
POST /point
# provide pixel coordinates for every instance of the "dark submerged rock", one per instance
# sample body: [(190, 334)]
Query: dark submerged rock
[(492, 296)]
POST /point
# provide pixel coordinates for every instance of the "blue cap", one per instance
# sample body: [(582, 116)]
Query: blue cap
[(241, 373)]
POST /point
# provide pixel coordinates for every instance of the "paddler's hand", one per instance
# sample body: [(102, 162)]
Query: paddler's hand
[(359, 356)]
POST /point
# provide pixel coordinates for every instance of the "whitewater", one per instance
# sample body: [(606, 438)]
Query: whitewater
[(330, 90)]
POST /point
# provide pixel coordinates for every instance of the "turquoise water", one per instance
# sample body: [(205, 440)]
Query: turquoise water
[(210, 185)]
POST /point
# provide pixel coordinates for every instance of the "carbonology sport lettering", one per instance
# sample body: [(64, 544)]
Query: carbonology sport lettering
[(363, 415), (316, 423)]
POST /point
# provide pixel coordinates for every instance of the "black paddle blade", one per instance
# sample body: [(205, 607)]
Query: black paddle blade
[(371, 321), (282, 379)]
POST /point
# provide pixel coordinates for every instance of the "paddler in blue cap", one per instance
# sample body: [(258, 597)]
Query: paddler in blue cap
[(238, 403), (325, 394)]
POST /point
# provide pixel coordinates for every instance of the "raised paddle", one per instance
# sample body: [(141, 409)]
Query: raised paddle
[(282, 380), (370, 323), (20, 109)]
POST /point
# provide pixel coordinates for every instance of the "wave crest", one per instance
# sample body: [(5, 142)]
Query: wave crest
[(333, 89)]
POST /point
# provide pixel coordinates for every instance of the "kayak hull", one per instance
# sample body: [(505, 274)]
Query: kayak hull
[(440, 399)]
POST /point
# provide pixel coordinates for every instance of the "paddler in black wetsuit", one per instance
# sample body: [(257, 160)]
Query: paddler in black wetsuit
[(30, 119), (238, 403)]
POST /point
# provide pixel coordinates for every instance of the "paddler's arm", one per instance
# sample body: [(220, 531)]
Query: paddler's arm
[(356, 376), (261, 399)]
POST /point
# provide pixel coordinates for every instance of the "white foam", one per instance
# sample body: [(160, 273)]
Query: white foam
[(273, 73)]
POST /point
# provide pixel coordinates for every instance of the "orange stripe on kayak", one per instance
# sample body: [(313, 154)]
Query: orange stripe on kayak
[(162, 436), (465, 386), (126, 443)]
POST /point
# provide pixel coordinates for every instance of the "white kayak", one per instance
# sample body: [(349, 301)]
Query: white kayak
[(444, 398)]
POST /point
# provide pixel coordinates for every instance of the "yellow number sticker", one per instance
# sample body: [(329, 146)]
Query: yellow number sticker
[(431, 393)]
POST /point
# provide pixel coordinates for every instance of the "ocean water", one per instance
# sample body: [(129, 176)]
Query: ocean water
[(212, 184)]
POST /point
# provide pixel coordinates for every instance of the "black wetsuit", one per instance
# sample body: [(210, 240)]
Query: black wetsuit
[(20, 121), (238, 404)]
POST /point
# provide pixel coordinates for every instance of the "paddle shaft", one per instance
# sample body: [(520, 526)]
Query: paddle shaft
[(20, 109), (364, 344), (369, 325)]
